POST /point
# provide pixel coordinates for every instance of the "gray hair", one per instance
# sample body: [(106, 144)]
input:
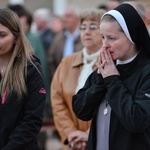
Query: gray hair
[(44, 14), (76, 10)]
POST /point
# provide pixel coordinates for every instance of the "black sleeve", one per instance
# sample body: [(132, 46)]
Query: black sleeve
[(29, 126), (133, 110), (89, 97)]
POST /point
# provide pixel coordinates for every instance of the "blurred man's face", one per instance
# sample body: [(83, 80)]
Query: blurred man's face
[(70, 20), (38, 22)]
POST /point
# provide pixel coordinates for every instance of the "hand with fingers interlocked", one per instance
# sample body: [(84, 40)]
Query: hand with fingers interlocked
[(77, 140), (105, 64)]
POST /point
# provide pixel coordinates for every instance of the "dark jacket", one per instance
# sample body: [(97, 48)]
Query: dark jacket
[(21, 119), (46, 37), (129, 98)]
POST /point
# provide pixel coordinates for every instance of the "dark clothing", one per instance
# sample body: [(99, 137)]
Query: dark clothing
[(129, 98), (21, 119), (40, 53), (46, 37), (39, 50)]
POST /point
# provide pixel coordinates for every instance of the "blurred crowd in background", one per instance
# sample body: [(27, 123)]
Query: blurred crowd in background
[(49, 36)]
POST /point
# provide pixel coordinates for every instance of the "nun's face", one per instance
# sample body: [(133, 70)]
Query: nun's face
[(114, 40)]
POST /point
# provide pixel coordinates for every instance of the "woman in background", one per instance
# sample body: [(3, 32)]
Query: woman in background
[(70, 76)]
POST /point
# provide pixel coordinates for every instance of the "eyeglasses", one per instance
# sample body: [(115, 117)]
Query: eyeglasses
[(91, 27)]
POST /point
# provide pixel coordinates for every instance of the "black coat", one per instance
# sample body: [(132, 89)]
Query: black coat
[(21, 120), (46, 37), (129, 98)]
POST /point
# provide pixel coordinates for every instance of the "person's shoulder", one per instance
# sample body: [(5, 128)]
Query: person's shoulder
[(147, 66), (47, 33), (74, 59), (59, 36), (69, 63), (35, 36), (73, 55), (32, 37), (35, 60), (33, 66)]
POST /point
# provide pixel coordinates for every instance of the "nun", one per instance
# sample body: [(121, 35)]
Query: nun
[(117, 95)]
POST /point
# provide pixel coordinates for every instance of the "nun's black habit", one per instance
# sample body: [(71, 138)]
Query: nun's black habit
[(128, 95)]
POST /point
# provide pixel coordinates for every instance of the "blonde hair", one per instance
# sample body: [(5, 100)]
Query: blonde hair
[(14, 78), (91, 14)]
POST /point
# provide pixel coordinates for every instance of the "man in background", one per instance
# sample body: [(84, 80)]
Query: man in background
[(67, 42)]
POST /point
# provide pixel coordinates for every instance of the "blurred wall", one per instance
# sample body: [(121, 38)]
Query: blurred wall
[(31, 5), (55, 5)]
